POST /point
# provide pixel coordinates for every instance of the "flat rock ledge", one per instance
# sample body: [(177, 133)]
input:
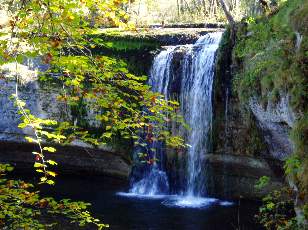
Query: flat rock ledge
[(71, 160), (162, 36), (235, 176)]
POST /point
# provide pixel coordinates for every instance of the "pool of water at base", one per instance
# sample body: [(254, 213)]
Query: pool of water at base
[(127, 211)]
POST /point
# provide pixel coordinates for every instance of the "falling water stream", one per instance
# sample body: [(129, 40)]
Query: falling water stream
[(196, 101), (155, 181), (195, 80)]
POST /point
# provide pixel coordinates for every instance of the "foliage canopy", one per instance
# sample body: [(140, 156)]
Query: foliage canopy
[(122, 103)]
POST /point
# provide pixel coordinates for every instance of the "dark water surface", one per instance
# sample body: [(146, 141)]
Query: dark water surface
[(122, 212)]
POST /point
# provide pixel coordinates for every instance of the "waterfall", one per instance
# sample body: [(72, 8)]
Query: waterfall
[(192, 82), (196, 101), (160, 74), (154, 179)]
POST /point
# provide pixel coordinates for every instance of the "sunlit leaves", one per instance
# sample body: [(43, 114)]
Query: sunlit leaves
[(38, 128), (23, 208), (31, 140), (122, 103), (293, 165), (49, 149), (119, 100), (262, 182), (38, 165)]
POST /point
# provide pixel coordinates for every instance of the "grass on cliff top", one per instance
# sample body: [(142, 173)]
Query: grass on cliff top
[(127, 45), (151, 32), (122, 40), (140, 39)]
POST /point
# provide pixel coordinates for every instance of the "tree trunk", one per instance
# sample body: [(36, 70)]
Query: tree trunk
[(204, 8), (182, 6), (227, 13), (231, 22)]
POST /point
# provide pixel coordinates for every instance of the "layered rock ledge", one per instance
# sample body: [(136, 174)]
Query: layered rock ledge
[(71, 160)]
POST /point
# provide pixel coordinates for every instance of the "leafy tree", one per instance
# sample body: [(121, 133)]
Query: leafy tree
[(59, 32), (21, 207)]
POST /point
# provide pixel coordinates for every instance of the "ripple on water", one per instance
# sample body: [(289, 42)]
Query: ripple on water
[(140, 196), (226, 203), (179, 201), (190, 202)]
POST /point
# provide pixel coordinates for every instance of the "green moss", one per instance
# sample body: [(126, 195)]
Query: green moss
[(223, 61), (299, 136), (271, 64), (266, 48), (255, 144), (126, 45), (299, 19), (123, 42), (247, 139), (136, 51)]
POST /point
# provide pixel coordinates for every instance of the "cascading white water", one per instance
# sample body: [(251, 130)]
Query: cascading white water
[(155, 180), (196, 102), (195, 95), (161, 72)]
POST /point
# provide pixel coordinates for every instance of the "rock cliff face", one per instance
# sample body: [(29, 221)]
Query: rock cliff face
[(235, 175), (271, 80), (269, 69), (275, 121), (71, 160), (41, 99), (249, 141)]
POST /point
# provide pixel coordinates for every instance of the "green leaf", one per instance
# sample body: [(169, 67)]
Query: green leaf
[(270, 205), (108, 135), (43, 179), (30, 140), (51, 162), (50, 149), (50, 182), (38, 165), (262, 182), (22, 125), (53, 174)]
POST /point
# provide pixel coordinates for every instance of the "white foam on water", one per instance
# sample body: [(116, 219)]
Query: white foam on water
[(140, 196), (226, 203), (190, 202), (177, 201)]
